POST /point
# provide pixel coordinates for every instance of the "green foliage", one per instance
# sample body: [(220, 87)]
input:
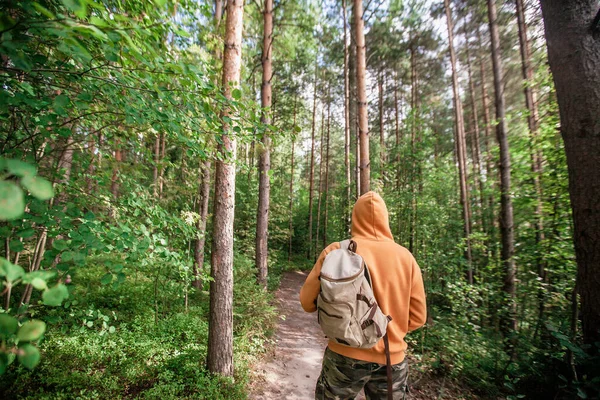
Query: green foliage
[(110, 344)]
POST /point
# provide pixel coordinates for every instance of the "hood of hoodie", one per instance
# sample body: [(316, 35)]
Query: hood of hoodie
[(370, 218)]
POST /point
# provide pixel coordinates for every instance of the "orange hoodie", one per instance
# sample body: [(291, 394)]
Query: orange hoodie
[(397, 281)]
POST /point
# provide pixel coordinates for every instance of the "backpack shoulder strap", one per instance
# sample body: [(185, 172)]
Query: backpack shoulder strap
[(344, 244)]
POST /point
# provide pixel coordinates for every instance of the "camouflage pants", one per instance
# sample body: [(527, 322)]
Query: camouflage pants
[(342, 378)]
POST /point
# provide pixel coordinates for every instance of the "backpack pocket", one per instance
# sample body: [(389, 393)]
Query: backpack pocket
[(373, 325), (337, 324)]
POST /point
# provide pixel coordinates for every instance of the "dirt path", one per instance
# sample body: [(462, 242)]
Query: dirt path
[(291, 369), (290, 372)]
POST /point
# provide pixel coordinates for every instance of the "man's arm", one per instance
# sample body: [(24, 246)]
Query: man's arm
[(312, 286), (418, 308)]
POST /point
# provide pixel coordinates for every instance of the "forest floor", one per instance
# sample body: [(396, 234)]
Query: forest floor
[(292, 365)]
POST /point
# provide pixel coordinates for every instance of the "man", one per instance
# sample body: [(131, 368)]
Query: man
[(398, 288)]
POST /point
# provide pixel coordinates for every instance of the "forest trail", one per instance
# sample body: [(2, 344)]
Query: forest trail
[(291, 369)]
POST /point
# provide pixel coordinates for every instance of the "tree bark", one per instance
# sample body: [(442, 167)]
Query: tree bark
[(220, 334), (397, 132), (353, 106), (201, 225), (536, 156), (114, 182), (361, 94), (291, 228), (461, 152), (413, 138), (312, 164), (490, 175), (156, 161), (347, 212), (509, 323), (476, 142), (574, 57), (161, 174), (264, 162), (204, 182), (381, 129), (320, 186), (326, 216)]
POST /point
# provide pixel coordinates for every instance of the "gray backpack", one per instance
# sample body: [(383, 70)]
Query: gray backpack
[(347, 310)]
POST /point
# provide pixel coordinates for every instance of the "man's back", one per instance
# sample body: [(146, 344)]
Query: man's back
[(397, 281)]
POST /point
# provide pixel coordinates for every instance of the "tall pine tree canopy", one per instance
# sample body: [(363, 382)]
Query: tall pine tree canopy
[(165, 165)]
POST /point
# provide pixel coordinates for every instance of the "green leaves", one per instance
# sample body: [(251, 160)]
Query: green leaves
[(39, 283), (12, 201), (55, 296), (10, 271), (20, 168), (59, 245), (29, 356), (106, 279), (61, 101), (31, 330), (39, 187), (8, 325)]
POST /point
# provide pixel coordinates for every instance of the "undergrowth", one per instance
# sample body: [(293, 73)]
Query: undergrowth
[(111, 342)]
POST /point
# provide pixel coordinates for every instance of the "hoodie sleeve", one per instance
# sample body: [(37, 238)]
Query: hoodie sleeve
[(418, 308), (312, 286)]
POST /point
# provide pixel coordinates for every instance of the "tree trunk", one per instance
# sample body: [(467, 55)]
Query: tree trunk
[(381, 129), (201, 225), (397, 133), (490, 175), (574, 57), (327, 171), (353, 105), (291, 228), (220, 334), (65, 165), (264, 163), (312, 165), (161, 174), (91, 169), (320, 186), (114, 182), (509, 323), (536, 156), (347, 212), (361, 94), (461, 152), (156, 161), (204, 182), (476, 152), (413, 137)]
